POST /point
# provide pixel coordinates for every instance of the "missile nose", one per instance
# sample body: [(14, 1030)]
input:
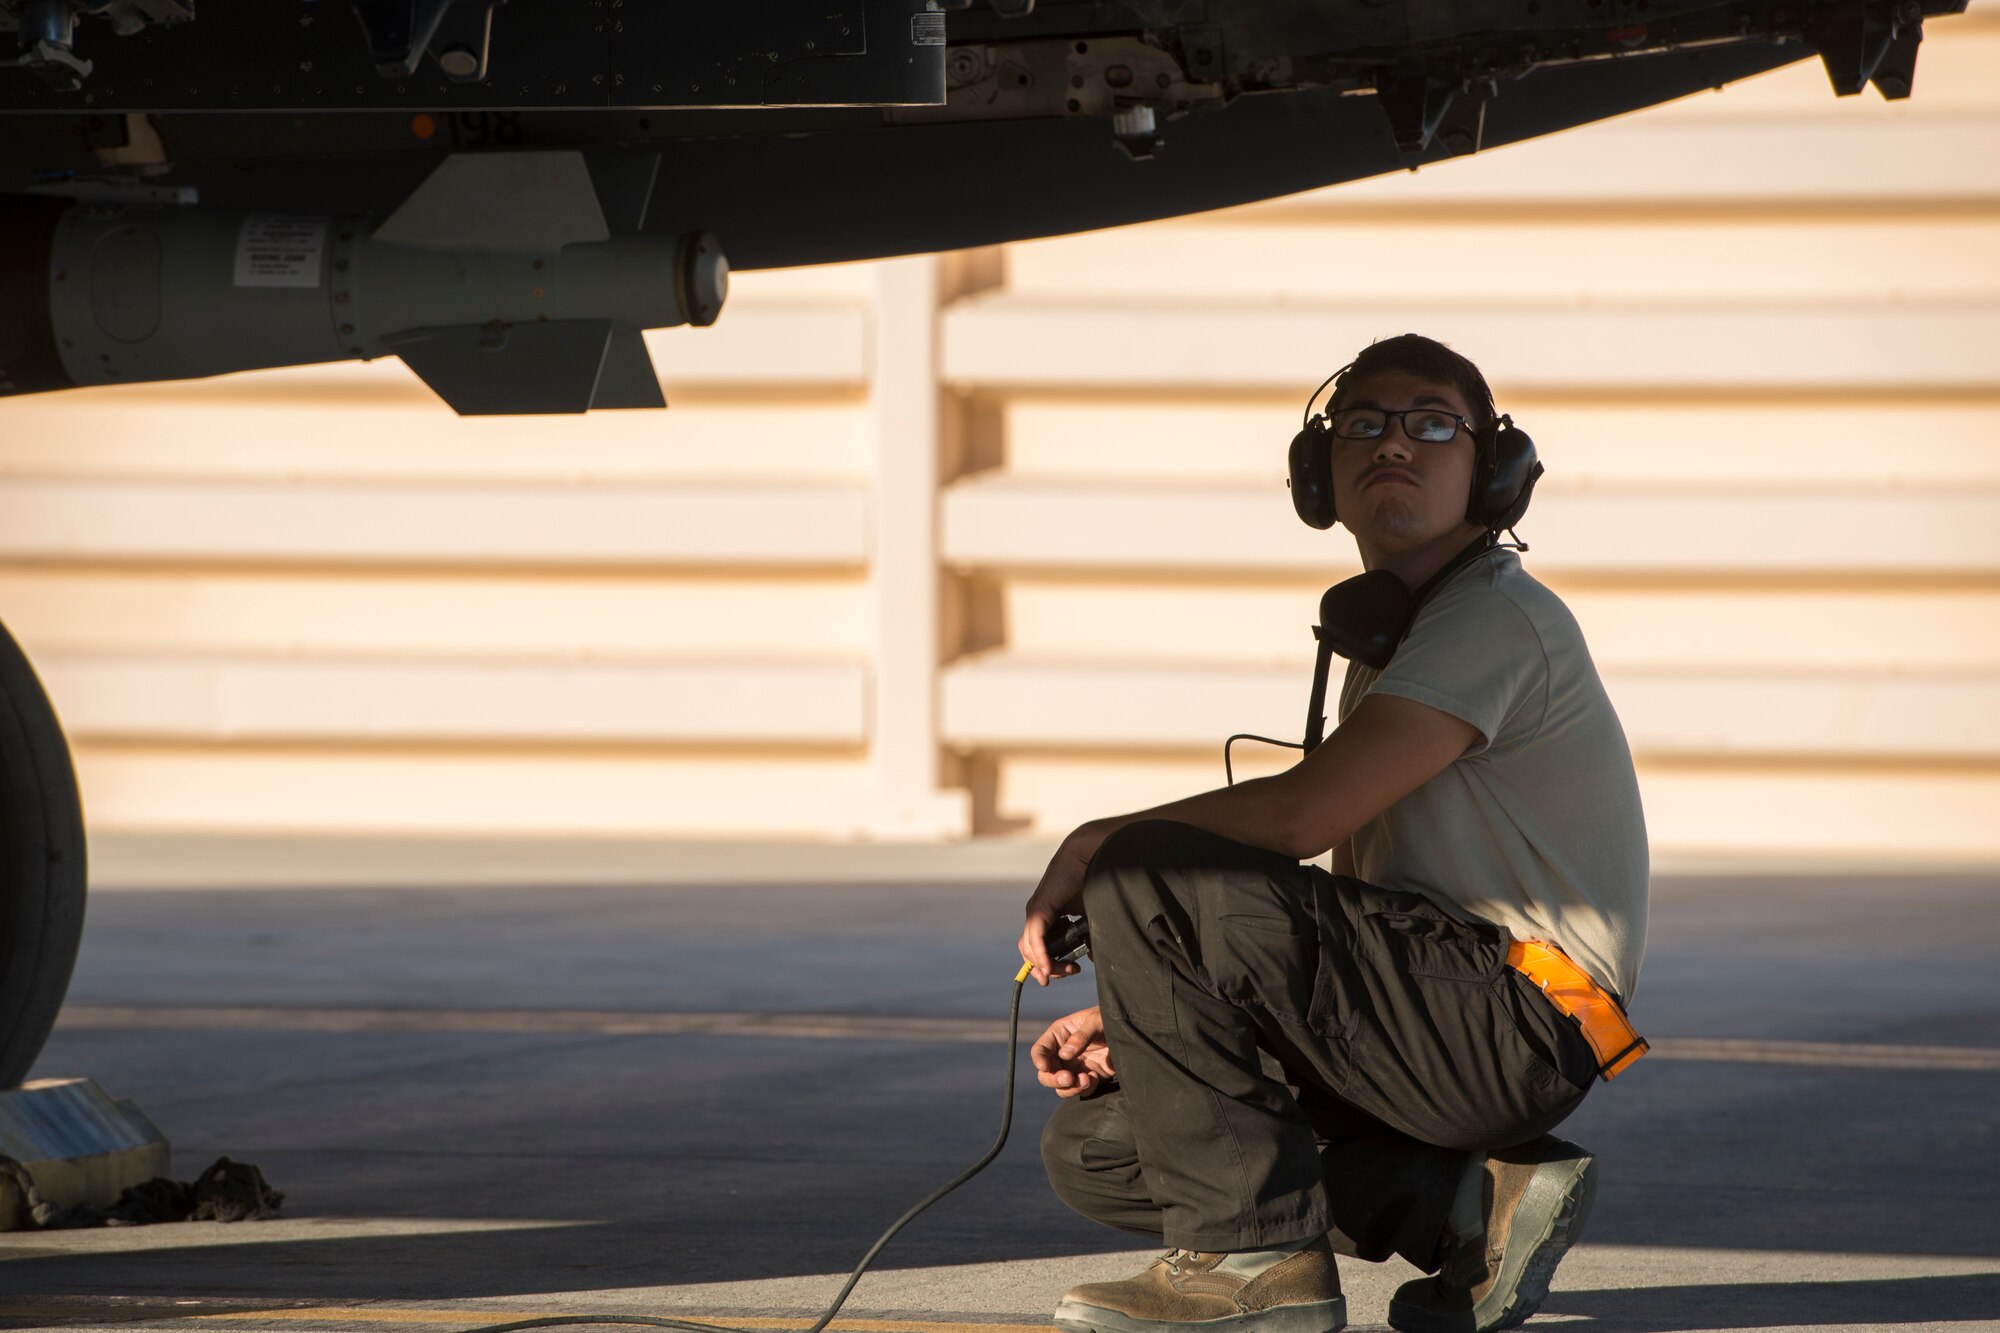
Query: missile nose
[(701, 280)]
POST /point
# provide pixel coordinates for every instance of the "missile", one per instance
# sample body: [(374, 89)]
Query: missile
[(498, 281)]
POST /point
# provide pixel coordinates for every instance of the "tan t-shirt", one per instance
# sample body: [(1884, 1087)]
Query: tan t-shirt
[(1537, 826)]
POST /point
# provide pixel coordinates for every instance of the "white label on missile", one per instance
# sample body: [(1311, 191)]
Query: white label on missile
[(926, 30), (280, 250)]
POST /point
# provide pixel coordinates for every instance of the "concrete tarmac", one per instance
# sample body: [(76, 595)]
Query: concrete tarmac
[(706, 1100)]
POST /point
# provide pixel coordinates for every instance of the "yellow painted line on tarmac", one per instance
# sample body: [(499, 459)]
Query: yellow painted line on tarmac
[(329, 1314)]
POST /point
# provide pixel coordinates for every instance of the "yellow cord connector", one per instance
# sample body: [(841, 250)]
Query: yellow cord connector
[(1022, 975)]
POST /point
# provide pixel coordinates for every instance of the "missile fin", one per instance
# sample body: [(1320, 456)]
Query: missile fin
[(521, 203), (1415, 103), (624, 181), (1851, 40), (628, 378), (484, 370)]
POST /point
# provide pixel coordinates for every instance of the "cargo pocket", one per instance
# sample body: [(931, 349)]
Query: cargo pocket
[(1553, 1038), (1326, 1014), (1423, 945)]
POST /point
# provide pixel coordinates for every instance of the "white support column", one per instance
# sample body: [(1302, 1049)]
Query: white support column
[(903, 690)]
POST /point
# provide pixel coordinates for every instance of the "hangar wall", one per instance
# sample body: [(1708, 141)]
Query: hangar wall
[(992, 542)]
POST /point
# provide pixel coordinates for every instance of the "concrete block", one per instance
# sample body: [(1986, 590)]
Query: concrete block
[(79, 1144)]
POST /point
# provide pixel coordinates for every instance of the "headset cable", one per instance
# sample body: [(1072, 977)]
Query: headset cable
[(1068, 940)]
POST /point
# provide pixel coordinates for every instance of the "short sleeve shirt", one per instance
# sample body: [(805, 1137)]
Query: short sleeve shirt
[(1537, 826)]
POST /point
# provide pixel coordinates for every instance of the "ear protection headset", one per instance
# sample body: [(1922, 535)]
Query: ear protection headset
[(1366, 618), (1504, 468)]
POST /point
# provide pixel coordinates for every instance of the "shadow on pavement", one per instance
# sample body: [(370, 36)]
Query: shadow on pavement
[(1874, 1302)]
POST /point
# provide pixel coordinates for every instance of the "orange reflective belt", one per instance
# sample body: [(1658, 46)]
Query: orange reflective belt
[(1572, 992)]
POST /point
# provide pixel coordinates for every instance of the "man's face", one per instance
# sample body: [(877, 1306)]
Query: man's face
[(1395, 492)]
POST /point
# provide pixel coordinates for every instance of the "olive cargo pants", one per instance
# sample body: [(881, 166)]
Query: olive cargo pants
[(1297, 1053)]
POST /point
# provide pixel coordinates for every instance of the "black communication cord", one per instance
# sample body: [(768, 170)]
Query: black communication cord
[(1228, 773), (1330, 643), (1068, 938)]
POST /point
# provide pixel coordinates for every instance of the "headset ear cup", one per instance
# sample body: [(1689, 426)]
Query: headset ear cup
[(1311, 466), (1512, 514), (1504, 473)]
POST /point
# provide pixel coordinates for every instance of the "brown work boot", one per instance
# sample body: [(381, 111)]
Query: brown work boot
[(1537, 1198), (1183, 1290)]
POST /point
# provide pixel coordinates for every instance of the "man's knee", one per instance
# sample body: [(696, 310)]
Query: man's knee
[(1148, 854), (1093, 1166), (1062, 1143), (1145, 842), (1063, 1140), (1161, 865), (1154, 843), (1125, 882)]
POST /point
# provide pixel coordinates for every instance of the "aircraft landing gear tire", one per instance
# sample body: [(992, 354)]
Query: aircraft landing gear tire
[(41, 865)]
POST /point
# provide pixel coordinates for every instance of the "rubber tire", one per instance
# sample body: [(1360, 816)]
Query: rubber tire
[(42, 871)]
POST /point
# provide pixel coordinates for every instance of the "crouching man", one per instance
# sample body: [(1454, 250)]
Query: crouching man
[(1287, 1064)]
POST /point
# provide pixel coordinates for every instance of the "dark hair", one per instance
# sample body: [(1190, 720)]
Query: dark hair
[(1415, 354)]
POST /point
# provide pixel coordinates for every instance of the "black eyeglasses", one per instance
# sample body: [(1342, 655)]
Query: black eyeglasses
[(1428, 424)]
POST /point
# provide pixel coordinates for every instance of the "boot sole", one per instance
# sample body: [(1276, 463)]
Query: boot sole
[(1316, 1317), (1560, 1194)]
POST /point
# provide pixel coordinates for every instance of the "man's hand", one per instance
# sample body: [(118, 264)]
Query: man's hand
[(1060, 892), (1071, 1056)]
